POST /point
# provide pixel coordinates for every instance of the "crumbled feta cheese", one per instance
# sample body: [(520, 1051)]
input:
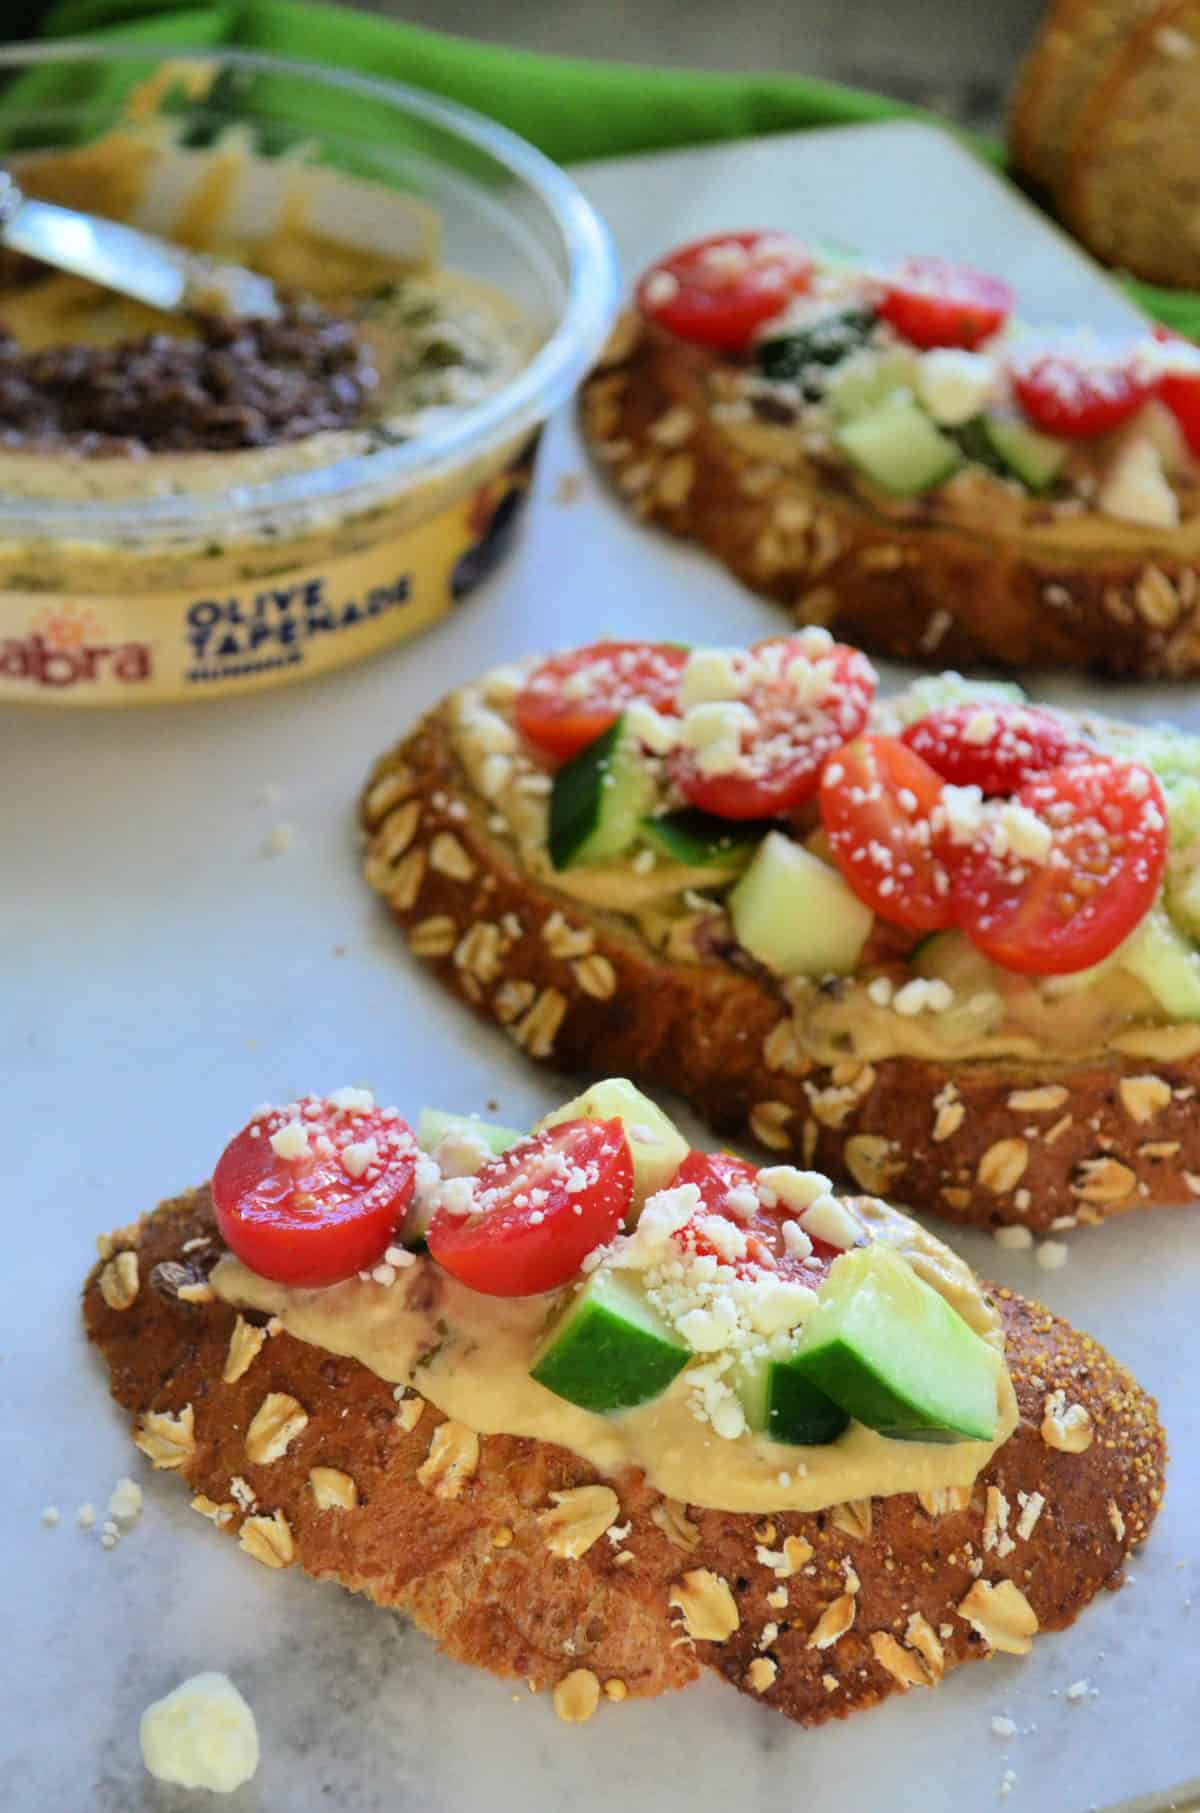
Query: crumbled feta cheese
[(796, 1189), (291, 1140), (777, 1304), (351, 1101), (1052, 1255), (1015, 1239), (360, 1156), (795, 1241), (457, 1195), (1022, 833), (202, 1735), (1079, 1690), (924, 994), (955, 385), (126, 1500), (1137, 490), (50, 1516), (650, 728), (710, 674), (831, 1221), (880, 990)]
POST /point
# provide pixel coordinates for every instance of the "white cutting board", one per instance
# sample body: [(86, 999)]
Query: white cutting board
[(161, 975)]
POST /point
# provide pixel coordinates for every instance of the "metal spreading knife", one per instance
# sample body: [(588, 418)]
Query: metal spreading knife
[(124, 259)]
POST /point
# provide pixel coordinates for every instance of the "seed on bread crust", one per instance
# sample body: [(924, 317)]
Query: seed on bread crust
[(119, 1281)]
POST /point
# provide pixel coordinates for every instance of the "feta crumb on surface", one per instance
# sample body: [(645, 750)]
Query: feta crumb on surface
[(1003, 1727), (202, 1735), (924, 994), (1015, 1239), (290, 1140), (126, 1501), (1052, 1255), (280, 840), (710, 673), (880, 990), (85, 1516), (796, 1189), (830, 1220), (1079, 1690), (50, 1516)]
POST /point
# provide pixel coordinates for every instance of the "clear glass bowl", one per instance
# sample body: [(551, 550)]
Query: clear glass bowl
[(169, 564)]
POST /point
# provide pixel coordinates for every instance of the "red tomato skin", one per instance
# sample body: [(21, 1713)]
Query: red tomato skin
[(886, 850), (794, 777), (932, 302), (561, 726), (305, 1222), (1076, 402), (1018, 913), (723, 309), (1025, 742), (715, 1174), (503, 1253), (1180, 391)]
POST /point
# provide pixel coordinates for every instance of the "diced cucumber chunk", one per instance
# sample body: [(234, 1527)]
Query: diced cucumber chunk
[(898, 446), (781, 1403), (700, 840), (1167, 963), (433, 1124), (978, 1006), (656, 1145), (895, 1355), (1036, 459), (795, 913), (609, 1349), (598, 800), (868, 379)]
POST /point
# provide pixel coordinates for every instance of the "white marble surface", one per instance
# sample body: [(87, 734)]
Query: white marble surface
[(161, 974)]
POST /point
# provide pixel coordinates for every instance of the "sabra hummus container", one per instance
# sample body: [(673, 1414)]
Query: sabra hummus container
[(135, 572)]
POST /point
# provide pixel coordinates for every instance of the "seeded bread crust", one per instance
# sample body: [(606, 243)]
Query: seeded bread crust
[(920, 588), (474, 1570), (1101, 121), (981, 1143), (1077, 43)]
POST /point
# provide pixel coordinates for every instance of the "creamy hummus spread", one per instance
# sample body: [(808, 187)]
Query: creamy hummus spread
[(470, 1356)]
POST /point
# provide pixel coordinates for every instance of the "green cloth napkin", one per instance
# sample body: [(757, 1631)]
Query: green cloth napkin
[(570, 108)]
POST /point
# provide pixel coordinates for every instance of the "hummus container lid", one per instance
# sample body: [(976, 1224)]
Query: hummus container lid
[(108, 596)]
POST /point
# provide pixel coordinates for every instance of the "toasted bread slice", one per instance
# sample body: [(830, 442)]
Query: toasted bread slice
[(984, 1143), (997, 581), (876, 1596), (1133, 172), (1076, 45)]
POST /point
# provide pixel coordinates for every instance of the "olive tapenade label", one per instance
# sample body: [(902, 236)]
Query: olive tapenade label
[(99, 648)]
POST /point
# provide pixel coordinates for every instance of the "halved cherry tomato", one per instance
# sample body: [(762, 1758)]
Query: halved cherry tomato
[(932, 302), (715, 1174), (993, 746), (1180, 388), (1063, 913), (804, 703), (878, 799), (718, 290), (571, 699), (539, 1210), (1078, 397), (329, 1212)]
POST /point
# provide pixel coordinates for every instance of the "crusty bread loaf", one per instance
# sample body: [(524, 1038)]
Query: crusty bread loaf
[(1103, 122), (1075, 47), (1098, 594), (469, 1559), (1131, 187), (984, 1143)]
